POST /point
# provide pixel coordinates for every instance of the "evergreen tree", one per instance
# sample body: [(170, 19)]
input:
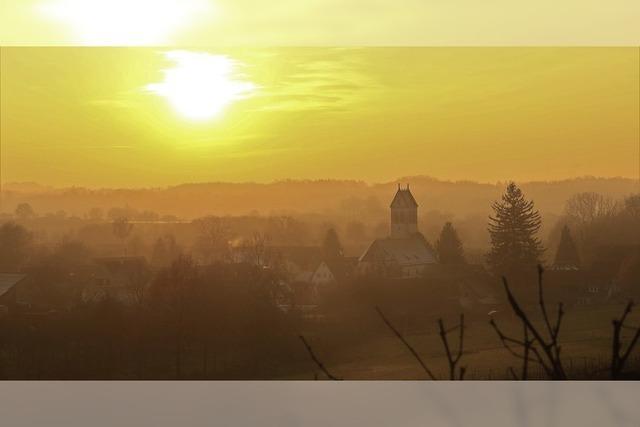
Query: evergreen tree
[(567, 254), (513, 229), (449, 246), (331, 247)]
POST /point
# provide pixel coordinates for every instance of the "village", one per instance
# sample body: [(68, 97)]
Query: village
[(316, 289)]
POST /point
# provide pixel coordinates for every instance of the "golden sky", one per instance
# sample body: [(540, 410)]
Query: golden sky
[(320, 22), (115, 117)]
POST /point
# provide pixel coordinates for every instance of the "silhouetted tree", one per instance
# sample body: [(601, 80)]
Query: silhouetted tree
[(567, 254), (15, 242), (331, 247), (255, 249), (585, 208), (632, 205), (176, 293), (513, 229), (213, 240), (449, 246), (121, 229), (24, 211), (165, 251)]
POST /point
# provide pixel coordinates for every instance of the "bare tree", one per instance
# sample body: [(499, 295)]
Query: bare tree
[(256, 249), (406, 343), (176, 293), (24, 211), (122, 229), (619, 357), (316, 360), (213, 239), (587, 207), (545, 349), (453, 360)]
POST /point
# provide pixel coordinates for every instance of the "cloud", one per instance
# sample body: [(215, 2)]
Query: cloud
[(321, 80)]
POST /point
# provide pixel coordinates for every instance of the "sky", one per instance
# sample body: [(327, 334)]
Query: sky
[(132, 117), (320, 22)]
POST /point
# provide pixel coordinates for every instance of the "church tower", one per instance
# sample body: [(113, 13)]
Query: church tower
[(404, 214)]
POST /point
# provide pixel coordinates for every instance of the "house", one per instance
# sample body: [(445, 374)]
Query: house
[(405, 253), (333, 271), (300, 262), (8, 282)]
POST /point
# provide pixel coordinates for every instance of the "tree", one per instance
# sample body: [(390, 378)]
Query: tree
[(331, 247), (585, 208), (513, 229), (632, 205), (255, 250), (449, 246), (176, 292), (24, 211), (567, 253), (165, 251), (213, 240), (15, 243), (122, 228)]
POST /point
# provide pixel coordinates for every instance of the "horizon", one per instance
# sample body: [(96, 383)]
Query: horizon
[(402, 180)]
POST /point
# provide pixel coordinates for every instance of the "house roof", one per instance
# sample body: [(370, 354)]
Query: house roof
[(411, 250), (404, 199), (339, 267), (7, 280)]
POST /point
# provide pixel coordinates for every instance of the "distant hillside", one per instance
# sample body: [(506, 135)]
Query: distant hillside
[(344, 198)]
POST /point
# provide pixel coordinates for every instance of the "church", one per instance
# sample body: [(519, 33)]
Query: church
[(405, 252)]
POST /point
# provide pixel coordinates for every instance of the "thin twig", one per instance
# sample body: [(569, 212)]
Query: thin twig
[(316, 360), (453, 361), (618, 360), (551, 349), (404, 341)]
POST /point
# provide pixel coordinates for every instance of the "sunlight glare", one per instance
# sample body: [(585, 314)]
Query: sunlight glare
[(128, 22), (201, 84)]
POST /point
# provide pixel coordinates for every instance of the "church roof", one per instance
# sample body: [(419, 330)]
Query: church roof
[(404, 252), (403, 199)]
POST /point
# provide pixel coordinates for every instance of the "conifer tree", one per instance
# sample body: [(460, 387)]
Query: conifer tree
[(449, 246), (331, 246), (567, 254), (513, 228)]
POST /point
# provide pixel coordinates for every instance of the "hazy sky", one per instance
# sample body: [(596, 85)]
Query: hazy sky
[(113, 117), (320, 22)]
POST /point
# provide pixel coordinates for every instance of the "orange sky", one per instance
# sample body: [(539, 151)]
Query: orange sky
[(86, 116)]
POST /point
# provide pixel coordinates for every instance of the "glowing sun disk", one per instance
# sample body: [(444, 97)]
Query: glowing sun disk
[(201, 84)]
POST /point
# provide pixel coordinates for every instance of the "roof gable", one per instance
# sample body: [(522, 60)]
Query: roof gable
[(407, 251), (404, 199)]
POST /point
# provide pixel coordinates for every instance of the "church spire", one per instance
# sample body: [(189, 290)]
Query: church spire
[(404, 213)]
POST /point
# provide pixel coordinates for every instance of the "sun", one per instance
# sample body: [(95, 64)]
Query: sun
[(201, 85)]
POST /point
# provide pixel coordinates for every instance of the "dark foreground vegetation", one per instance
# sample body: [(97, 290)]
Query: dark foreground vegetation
[(225, 322)]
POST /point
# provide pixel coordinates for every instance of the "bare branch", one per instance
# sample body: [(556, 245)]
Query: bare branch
[(618, 359), (316, 360), (404, 341), (453, 361), (550, 348)]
